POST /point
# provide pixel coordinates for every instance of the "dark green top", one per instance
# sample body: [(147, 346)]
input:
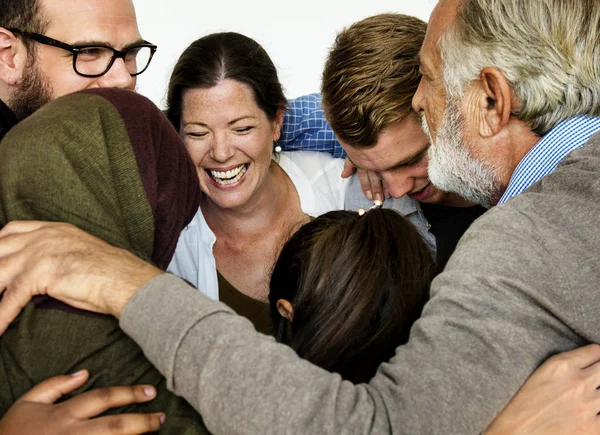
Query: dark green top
[(256, 311), (109, 162)]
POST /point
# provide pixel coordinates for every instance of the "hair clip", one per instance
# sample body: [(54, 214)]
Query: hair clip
[(376, 204)]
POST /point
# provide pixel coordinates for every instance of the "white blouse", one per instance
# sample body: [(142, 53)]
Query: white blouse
[(320, 187)]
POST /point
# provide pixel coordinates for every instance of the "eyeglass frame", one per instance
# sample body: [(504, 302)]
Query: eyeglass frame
[(75, 49)]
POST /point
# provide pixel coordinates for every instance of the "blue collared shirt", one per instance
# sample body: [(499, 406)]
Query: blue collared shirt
[(305, 128), (546, 155)]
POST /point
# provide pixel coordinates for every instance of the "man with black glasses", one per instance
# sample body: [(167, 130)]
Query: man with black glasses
[(49, 48)]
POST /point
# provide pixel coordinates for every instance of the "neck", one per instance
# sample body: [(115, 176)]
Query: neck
[(455, 200), (4, 99), (518, 141)]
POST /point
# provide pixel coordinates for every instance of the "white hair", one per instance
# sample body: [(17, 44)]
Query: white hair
[(547, 49), (451, 166)]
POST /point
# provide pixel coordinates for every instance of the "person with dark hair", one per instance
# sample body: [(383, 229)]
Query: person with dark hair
[(347, 288), (226, 101), (112, 164), (36, 36)]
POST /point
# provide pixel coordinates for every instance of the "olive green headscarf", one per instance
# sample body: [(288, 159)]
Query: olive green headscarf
[(108, 161)]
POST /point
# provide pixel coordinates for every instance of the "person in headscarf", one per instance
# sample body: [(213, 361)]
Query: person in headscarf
[(109, 162)]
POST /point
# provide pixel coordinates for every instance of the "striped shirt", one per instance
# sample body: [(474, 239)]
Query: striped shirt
[(545, 156), (305, 128)]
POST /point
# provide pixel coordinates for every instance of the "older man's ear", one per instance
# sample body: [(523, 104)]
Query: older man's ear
[(495, 101)]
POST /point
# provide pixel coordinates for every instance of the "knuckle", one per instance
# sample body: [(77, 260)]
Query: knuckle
[(116, 425), (151, 422), (105, 395), (5, 262), (559, 365)]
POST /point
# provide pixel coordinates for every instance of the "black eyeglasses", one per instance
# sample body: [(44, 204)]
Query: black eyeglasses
[(96, 60)]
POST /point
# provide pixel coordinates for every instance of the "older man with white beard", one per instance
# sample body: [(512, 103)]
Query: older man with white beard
[(511, 96)]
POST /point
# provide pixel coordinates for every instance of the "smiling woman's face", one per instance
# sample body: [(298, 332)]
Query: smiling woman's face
[(230, 140)]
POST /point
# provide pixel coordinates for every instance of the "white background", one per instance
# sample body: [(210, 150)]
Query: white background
[(296, 34)]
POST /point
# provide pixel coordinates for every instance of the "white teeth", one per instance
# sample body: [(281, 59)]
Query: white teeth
[(228, 177)]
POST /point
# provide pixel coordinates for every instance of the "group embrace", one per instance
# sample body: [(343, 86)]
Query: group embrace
[(403, 252)]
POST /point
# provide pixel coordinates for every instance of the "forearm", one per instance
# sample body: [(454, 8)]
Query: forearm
[(467, 356)]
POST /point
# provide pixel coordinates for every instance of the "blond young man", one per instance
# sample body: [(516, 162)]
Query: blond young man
[(370, 77)]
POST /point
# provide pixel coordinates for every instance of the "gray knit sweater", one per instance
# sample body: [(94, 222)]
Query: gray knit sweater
[(521, 286)]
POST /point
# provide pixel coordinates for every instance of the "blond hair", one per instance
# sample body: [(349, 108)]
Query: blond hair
[(371, 75)]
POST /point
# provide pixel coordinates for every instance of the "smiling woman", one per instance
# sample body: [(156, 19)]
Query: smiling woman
[(226, 100)]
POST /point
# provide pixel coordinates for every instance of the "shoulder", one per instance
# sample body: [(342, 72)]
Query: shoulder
[(317, 178), (309, 101), (312, 164)]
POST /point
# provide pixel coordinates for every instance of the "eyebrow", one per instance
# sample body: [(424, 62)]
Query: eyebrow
[(422, 67), (410, 160), (240, 119), (105, 44), (201, 124)]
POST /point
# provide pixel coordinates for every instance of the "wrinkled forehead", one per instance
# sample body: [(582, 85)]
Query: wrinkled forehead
[(441, 17), (112, 22)]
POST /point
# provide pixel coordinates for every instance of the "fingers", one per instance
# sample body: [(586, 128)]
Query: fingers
[(123, 424), (371, 184), (376, 186), (581, 358), (365, 183), (18, 227), (586, 356), (97, 401), (349, 169), (54, 388), (11, 305)]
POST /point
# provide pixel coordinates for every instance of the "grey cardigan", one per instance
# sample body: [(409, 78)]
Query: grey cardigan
[(521, 286)]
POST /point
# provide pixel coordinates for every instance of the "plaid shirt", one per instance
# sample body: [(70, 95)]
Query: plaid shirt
[(305, 128), (545, 156)]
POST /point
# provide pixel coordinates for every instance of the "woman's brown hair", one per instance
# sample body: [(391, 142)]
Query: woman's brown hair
[(357, 284)]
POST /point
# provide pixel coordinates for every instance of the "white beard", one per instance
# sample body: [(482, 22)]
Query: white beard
[(451, 168)]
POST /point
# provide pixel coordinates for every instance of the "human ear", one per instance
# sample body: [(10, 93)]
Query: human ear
[(495, 101), (13, 56), (286, 309), (277, 124)]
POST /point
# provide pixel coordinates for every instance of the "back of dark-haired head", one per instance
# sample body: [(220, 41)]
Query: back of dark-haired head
[(220, 56), (357, 284), (25, 15)]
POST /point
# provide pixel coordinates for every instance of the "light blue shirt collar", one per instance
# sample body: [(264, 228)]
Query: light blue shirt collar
[(546, 155)]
